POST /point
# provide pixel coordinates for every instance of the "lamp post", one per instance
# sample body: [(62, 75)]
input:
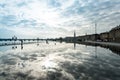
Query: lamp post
[(95, 31), (95, 40), (74, 40), (74, 36)]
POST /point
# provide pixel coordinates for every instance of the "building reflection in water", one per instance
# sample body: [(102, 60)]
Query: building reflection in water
[(114, 49), (74, 45)]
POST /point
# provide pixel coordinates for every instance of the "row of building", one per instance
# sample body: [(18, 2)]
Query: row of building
[(112, 36)]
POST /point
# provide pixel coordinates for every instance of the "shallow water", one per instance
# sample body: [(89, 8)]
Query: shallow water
[(58, 61)]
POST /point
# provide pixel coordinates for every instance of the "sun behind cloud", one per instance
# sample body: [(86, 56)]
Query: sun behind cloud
[(56, 18)]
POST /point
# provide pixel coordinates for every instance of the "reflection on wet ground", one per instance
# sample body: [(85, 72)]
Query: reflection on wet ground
[(114, 49), (55, 61)]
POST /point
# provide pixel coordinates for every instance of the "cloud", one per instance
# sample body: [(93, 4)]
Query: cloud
[(8, 20), (40, 16), (2, 5), (5, 33)]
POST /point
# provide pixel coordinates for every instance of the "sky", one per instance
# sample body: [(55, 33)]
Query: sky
[(57, 18)]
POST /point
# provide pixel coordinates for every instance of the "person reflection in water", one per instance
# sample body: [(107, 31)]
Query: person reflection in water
[(37, 44), (14, 47), (21, 44), (47, 42), (37, 41)]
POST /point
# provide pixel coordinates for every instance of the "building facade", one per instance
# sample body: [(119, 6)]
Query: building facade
[(104, 36), (114, 34)]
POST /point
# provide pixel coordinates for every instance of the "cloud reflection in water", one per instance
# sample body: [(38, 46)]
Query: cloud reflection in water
[(59, 62)]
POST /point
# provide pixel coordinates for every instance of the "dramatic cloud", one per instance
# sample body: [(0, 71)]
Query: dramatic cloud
[(55, 18)]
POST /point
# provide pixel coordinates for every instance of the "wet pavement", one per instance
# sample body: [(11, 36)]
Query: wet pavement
[(58, 61)]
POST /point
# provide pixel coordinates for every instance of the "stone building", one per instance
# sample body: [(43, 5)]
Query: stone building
[(94, 37), (114, 34), (104, 36), (81, 38)]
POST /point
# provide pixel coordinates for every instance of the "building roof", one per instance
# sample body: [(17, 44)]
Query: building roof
[(104, 33), (118, 27)]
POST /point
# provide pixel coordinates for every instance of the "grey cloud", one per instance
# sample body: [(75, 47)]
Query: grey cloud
[(8, 20), (93, 11), (2, 5), (21, 4), (54, 3), (25, 22), (105, 12), (12, 20)]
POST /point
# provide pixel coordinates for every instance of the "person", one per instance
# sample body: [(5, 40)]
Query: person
[(21, 44), (47, 42)]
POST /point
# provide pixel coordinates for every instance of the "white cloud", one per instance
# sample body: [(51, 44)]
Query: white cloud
[(36, 17)]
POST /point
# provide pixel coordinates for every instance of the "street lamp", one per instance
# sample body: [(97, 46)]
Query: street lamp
[(95, 31)]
